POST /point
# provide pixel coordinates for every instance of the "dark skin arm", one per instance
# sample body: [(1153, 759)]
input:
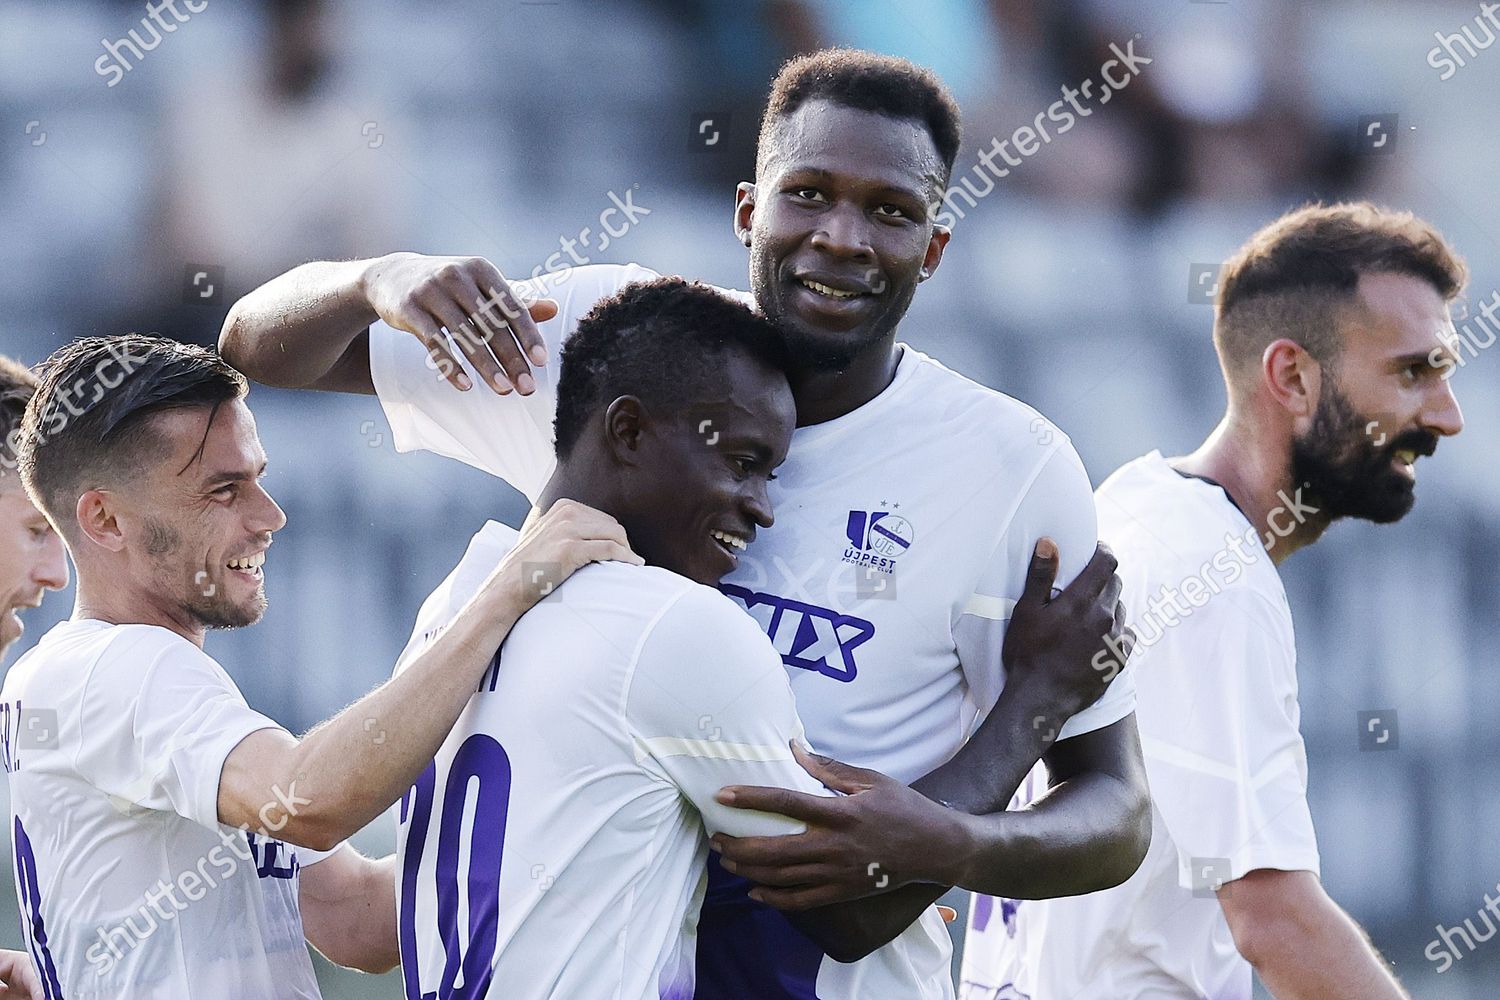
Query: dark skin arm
[(870, 863), (308, 328)]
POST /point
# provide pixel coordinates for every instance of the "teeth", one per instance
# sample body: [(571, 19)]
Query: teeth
[(249, 562), (733, 541), (823, 289), (1406, 457)]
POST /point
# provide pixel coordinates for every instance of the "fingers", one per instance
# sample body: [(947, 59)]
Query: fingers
[(804, 898), (772, 852), (1096, 575), (454, 299), (516, 318), (1041, 575), (429, 332), (782, 876), (834, 774), (794, 805)]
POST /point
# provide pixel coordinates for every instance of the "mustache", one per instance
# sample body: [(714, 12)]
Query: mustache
[(1423, 443)]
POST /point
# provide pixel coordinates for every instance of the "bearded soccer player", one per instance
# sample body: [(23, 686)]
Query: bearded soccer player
[(1332, 328), (911, 501), (171, 842)]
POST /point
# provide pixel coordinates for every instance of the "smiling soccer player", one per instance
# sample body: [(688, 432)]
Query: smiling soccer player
[(911, 502)]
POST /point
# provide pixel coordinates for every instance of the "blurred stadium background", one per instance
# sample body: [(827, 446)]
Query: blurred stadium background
[(256, 136)]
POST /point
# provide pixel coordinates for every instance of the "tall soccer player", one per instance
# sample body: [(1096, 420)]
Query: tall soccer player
[(32, 562), (911, 501), (171, 842), (1332, 328)]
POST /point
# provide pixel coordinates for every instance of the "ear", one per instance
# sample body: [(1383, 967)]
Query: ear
[(744, 211), (935, 246), (97, 521), (1293, 378), (624, 423)]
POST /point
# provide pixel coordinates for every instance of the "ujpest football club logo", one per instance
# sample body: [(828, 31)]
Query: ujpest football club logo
[(877, 538)]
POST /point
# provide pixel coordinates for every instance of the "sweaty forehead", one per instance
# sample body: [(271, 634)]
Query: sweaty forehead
[(194, 446), (856, 145)]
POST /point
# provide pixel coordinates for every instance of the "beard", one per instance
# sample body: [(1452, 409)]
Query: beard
[(814, 350), (206, 603), (1346, 473)]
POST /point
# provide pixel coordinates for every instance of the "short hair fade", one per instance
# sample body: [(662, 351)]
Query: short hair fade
[(17, 384), (663, 341), (88, 425), (1294, 277), (865, 81)]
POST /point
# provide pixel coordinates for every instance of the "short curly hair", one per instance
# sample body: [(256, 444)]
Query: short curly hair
[(663, 341), (1294, 277), (17, 384), (865, 81)]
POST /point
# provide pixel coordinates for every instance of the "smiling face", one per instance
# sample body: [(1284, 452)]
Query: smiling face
[(191, 530), (31, 559), (695, 492), (1384, 403), (840, 223)]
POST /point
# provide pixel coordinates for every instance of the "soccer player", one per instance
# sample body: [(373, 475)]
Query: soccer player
[(170, 842), (910, 504), (31, 554), (1331, 328), (31, 563)]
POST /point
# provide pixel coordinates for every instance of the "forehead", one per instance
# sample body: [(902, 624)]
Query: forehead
[(1399, 314), (754, 400), (859, 145), (229, 444)]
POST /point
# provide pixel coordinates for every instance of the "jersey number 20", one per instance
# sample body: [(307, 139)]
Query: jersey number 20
[(480, 773)]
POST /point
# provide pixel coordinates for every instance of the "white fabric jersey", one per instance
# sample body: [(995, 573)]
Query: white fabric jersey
[(903, 533), (575, 795), (1217, 685), (114, 737)]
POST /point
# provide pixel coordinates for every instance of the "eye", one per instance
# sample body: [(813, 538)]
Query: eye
[(889, 211), (224, 492), (807, 193), (40, 533)]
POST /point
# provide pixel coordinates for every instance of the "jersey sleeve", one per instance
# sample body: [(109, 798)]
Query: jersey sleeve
[(162, 718), (709, 705), (506, 436), (1229, 775), (1058, 504)]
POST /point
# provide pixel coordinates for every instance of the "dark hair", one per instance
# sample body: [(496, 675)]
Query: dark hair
[(17, 383), (1294, 277), (865, 81), (89, 422), (663, 341)]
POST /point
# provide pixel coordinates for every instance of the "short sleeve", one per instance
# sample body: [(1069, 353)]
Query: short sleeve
[(710, 705), (162, 718), (1226, 759), (1057, 504), (506, 436)]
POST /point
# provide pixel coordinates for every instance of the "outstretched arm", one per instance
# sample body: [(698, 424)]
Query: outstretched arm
[(307, 328)]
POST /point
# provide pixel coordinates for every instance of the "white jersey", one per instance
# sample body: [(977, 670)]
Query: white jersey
[(903, 533), (573, 799), (1216, 676), (114, 737)]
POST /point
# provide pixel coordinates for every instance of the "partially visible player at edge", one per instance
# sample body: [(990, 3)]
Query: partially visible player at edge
[(32, 562), (911, 501), (1332, 329), (154, 760)]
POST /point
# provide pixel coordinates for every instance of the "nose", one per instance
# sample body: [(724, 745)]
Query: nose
[(266, 515), (757, 504), (844, 233), (51, 570), (1442, 415)]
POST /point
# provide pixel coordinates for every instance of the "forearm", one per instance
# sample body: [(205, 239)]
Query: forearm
[(849, 931), (348, 906), (983, 776), (295, 328), (1088, 833), (1322, 955)]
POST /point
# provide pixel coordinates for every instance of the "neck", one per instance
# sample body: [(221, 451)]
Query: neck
[(1253, 464), (822, 395), (567, 484), (125, 606)]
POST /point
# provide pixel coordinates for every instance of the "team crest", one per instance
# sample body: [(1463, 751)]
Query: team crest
[(877, 538)]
